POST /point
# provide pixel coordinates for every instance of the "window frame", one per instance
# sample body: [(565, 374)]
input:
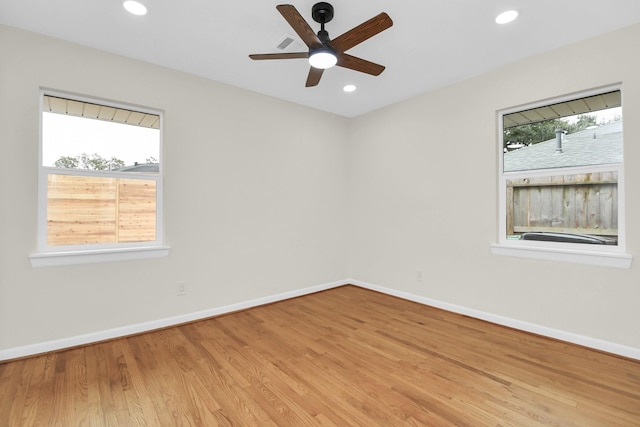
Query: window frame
[(46, 255), (602, 255)]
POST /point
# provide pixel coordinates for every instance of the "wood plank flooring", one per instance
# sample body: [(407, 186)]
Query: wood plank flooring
[(342, 357)]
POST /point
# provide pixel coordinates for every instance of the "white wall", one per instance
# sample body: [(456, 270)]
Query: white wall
[(254, 202), (424, 196), (256, 207)]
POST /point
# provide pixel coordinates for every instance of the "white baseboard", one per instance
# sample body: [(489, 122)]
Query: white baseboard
[(48, 346), (609, 347)]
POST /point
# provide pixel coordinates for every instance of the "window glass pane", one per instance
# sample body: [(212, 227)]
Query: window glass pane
[(82, 143), (555, 136), (584, 204), (97, 210), (561, 168), (101, 164), (136, 213)]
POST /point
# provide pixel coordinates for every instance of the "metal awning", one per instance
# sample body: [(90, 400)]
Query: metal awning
[(54, 104), (564, 109)]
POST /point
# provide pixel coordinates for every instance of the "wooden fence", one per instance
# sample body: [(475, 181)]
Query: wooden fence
[(581, 203), (89, 210)]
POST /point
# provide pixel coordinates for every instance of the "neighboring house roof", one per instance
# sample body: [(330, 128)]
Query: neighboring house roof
[(593, 146), (141, 167)]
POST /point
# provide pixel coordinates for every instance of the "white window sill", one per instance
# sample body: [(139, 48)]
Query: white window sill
[(605, 259), (53, 259)]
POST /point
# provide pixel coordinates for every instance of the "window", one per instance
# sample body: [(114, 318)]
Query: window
[(561, 180), (100, 182)]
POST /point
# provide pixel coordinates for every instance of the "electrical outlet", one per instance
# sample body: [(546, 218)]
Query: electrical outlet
[(419, 275), (181, 288)]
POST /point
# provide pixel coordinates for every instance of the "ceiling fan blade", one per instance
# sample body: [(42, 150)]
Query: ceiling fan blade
[(314, 76), (300, 26), (362, 32), (359, 64), (284, 55)]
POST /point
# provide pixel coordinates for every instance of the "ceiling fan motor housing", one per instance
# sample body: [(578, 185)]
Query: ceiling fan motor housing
[(322, 12)]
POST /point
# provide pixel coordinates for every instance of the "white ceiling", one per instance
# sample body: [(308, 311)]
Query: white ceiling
[(432, 43)]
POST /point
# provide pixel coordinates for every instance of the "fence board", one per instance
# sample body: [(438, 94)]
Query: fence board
[(91, 210), (137, 210), (578, 203)]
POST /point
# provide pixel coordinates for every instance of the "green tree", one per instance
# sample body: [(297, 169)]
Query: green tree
[(533, 133), (583, 122), (67, 162), (544, 131), (91, 162), (115, 163)]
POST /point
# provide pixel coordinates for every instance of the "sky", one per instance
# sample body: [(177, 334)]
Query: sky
[(65, 135), (602, 116)]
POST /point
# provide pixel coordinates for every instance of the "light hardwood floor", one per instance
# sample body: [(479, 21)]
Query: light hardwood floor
[(342, 357)]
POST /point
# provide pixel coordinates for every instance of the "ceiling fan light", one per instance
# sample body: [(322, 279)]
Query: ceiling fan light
[(323, 59)]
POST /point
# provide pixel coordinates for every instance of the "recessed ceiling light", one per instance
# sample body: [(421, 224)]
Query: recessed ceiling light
[(349, 88), (135, 8), (506, 17)]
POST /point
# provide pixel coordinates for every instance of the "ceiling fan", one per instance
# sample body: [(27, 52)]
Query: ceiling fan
[(323, 52)]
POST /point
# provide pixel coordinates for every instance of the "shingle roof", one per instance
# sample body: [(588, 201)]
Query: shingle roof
[(141, 167), (594, 146)]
